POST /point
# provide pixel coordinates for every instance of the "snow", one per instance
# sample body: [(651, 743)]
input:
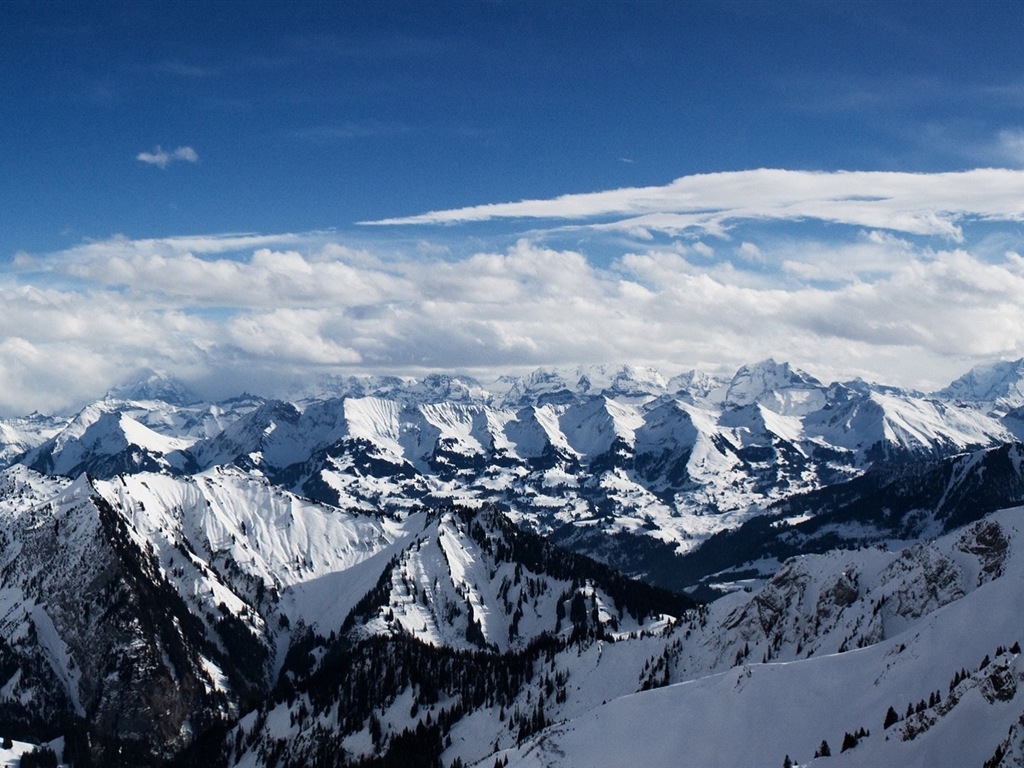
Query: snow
[(57, 655), (708, 456), (756, 713), (11, 757), (993, 386), (592, 427), (916, 422), (842, 635), (723, 714), (216, 675), (375, 420), (778, 387), (138, 434), (224, 511), (19, 435), (534, 428)]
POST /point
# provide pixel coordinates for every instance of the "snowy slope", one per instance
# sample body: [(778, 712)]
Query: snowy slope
[(470, 581), (117, 596), (89, 629), (244, 538), (995, 386), (885, 423), (822, 650), (19, 435), (915, 615), (778, 387)]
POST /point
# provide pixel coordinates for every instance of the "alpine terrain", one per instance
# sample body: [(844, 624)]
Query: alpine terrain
[(599, 566)]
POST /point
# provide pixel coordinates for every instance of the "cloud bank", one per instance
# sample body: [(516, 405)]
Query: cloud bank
[(262, 311), (263, 321)]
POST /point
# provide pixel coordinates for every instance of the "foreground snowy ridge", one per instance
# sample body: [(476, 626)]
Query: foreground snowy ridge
[(819, 654), (824, 650)]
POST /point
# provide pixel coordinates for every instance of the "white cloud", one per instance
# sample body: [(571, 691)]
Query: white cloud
[(704, 249), (750, 252), (61, 347), (868, 256), (249, 310), (162, 158), (913, 203)]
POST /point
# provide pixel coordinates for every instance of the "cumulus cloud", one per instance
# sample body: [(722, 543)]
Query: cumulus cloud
[(162, 158), (207, 312), (62, 347), (912, 203), (891, 290)]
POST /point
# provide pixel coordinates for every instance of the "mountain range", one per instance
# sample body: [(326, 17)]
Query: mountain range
[(400, 571)]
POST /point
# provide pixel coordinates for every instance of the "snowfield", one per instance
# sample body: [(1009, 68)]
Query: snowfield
[(754, 714)]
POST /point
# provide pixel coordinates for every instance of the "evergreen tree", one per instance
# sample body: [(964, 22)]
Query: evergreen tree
[(824, 750), (890, 718), (39, 758), (849, 742)]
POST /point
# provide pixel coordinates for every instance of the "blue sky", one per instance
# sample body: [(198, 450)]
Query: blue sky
[(247, 194)]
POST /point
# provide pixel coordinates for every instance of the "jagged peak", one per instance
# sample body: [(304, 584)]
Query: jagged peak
[(778, 386), (563, 386), (695, 384), (437, 387), (999, 383)]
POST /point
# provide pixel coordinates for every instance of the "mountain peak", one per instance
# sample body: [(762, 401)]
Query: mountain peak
[(152, 384), (994, 384), (564, 386), (777, 386)]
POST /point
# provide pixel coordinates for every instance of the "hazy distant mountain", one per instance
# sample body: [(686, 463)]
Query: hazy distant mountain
[(150, 384), (993, 385)]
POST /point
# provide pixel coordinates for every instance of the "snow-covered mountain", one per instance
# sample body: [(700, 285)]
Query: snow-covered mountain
[(153, 385), (151, 607), (871, 656), (22, 434), (612, 448), (398, 571), (998, 385)]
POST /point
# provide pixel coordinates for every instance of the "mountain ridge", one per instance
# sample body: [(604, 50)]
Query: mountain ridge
[(616, 449), (428, 573)]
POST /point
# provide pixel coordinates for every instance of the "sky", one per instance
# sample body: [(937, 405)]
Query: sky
[(248, 195)]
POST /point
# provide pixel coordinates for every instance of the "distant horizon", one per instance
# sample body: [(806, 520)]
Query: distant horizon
[(298, 390)]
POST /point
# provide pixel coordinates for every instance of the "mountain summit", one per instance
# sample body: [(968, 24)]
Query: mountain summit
[(777, 386), (151, 384), (997, 385)]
